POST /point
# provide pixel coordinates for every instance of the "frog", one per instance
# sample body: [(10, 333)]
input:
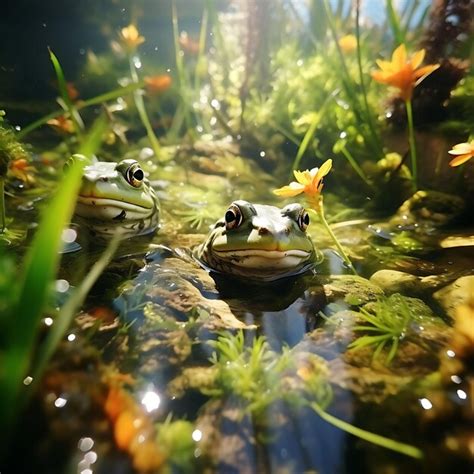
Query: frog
[(117, 198), (259, 242)]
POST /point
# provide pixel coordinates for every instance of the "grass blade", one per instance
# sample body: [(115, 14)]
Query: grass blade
[(373, 438), (38, 273)]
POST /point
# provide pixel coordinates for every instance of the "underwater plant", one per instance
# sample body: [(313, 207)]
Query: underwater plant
[(310, 182), (404, 73), (387, 323), (10, 151), (259, 377), (463, 152), (34, 284)]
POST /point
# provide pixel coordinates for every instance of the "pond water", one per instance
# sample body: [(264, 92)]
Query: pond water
[(152, 360)]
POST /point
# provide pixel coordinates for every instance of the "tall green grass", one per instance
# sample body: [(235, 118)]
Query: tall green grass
[(29, 293)]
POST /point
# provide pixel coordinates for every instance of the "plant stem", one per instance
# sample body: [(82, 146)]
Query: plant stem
[(139, 104), (373, 438), (322, 218), (3, 219), (355, 165), (370, 121), (411, 140), (107, 96)]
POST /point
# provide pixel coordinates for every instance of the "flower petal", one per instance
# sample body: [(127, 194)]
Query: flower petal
[(325, 168), (459, 160), (303, 177), (399, 56), (417, 58), (384, 65), (424, 71), (293, 189), (461, 149)]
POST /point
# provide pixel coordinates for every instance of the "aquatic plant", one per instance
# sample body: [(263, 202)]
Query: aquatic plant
[(10, 151), (387, 323), (131, 39), (404, 73), (310, 182), (463, 152), (259, 377), (242, 369), (34, 284)]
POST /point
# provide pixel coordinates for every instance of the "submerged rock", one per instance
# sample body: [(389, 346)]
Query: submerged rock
[(456, 294), (354, 290), (430, 208)]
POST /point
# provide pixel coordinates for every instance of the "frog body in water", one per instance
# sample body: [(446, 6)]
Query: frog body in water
[(259, 242), (117, 198)]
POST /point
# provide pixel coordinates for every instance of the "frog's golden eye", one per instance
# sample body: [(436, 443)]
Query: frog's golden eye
[(233, 217), (135, 175), (303, 220)]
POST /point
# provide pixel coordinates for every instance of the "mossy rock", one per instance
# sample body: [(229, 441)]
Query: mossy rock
[(354, 290)]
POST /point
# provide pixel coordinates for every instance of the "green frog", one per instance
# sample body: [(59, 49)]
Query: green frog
[(117, 198), (259, 242)]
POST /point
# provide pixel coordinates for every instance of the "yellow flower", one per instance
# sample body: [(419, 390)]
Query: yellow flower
[(463, 152), (309, 182), (131, 37), (348, 43), (402, 72)]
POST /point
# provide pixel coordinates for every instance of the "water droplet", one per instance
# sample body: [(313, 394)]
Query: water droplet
[(90, 457), (27, 380), (262, 154), (69, 235), (197, 435), (60, 402), (71, 337), (48, 321), (461, 394), (450, 353), (85, 444), (151, 401), (425, 403), (456, 379), (62, 286)]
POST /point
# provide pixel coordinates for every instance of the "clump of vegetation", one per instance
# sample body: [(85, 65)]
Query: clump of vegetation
[(259, 377), (385, 325), (10, 150)]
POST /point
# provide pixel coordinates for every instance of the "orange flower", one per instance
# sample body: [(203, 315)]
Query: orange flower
[(402, 72), (348, 43), (309, 182), (131, 38), (463, 152), (157, 84), (191, 46), (62, 124), (22, 170), (72, 91)]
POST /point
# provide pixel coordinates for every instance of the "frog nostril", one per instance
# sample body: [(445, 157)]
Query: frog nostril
[(263, 231)]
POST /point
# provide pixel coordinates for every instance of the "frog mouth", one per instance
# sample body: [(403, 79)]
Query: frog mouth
[(94, 201), (258, 258)]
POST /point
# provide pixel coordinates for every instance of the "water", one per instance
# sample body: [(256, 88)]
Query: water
[(168, 367)]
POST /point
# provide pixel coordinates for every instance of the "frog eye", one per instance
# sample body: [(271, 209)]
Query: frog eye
[(233, 217), (135, 175), (303, 220)]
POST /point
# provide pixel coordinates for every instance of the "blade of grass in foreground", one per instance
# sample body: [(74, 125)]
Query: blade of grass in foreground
[(69, 310), (75, 117), (38, 273)]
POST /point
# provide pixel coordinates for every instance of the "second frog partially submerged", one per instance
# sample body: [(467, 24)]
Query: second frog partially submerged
[(252, 241)]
